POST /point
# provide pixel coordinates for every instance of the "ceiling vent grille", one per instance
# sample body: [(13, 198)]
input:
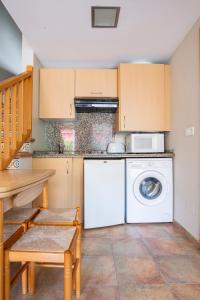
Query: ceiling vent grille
[(105, 16)]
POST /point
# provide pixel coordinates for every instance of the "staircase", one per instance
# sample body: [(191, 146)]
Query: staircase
[(15, 115)]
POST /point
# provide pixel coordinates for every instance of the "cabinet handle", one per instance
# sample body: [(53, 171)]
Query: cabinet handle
[(124, 122), (70, 109), (96, 93), (67, 167)]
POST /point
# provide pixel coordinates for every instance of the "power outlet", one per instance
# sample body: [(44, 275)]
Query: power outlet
[(189, 131)]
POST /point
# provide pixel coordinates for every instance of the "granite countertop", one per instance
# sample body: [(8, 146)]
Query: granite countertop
[(38, 154)]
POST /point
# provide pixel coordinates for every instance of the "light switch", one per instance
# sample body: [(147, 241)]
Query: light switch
[(189, 131)]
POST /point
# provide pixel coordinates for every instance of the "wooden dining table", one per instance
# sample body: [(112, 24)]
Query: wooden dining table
[(14, 182)]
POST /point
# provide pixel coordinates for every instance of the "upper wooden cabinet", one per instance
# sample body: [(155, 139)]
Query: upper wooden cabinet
[(57, 93), (144, 97), (96, 83)]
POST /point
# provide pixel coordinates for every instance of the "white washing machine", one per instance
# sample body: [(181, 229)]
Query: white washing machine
[(149, 190)]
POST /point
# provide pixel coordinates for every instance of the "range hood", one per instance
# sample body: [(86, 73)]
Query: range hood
[(106, 105)]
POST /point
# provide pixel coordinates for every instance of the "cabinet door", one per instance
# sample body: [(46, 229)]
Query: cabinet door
[(167, 100), (96, 83), (77, 184), (144, 97), (60, 185), (57, 93)]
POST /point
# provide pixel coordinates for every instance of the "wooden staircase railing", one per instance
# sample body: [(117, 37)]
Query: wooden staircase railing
[(15, 115)]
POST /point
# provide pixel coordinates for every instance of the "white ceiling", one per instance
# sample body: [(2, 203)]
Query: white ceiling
[(60, 32)]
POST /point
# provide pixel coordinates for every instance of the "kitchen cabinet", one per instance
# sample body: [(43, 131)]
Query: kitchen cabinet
[(66, 186), (96, 83), (57, 93), (77, 183), (144, 97)]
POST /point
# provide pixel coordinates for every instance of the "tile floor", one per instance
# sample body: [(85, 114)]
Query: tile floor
[(129, 262)]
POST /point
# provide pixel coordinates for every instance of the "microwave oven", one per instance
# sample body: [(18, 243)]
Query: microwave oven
[(145, 142)]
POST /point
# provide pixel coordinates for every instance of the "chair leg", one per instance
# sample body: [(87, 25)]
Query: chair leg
[(24, 281), (31, 278), (7, 276), (78, 271), (67, 276)]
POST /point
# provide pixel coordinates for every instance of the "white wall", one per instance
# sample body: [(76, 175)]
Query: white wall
[(29, 58), (38, 125), (27, 54), (10, 43), (186, 113), (4, 74)]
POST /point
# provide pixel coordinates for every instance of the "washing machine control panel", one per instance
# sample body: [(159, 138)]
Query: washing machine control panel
[(149, 163)]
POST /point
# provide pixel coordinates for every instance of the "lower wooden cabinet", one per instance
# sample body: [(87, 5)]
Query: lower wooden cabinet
[(66, 186)]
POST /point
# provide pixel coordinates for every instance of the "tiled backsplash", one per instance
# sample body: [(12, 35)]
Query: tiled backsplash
[(90, 131)]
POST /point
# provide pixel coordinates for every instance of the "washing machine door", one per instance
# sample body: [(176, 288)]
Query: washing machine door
[(150, 188)]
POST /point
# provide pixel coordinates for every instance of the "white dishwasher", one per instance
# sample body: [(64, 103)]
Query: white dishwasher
[(104, 192)]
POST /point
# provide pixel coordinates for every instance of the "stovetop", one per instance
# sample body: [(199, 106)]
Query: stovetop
[(93, 152)]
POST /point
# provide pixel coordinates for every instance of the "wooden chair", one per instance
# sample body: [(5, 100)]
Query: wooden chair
[(51, 246), (20, 215), (63, 217), (11, 233), (58, 216)]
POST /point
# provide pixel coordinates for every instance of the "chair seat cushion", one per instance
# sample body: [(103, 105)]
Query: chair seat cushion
[(9, 230), (56, 215), (45, 239), (19, 215)]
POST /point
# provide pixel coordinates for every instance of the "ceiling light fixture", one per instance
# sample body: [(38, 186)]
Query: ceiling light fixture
[(105, 16)]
